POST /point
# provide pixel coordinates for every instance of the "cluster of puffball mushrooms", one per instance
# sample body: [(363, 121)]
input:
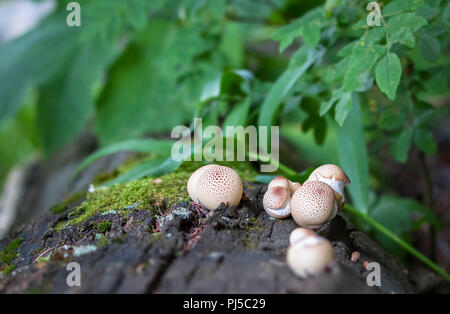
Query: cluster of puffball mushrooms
[(311, 205)]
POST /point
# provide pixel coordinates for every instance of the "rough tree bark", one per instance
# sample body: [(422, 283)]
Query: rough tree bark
[(230, 250)]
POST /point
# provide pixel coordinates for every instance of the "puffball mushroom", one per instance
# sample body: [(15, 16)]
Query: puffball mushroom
[(293, 186), (276, 201), (335, 177), (313, 204), (299, 234), (310, 256), (213, 184), (279, 181)]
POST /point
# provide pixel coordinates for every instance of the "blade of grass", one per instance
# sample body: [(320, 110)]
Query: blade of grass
[(399, 241)]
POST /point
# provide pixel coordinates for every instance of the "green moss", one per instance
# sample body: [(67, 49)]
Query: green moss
[(8, 255), (103, 226), (146, 193), (254, 227), (102, 242), (68, 201), (8, 269)]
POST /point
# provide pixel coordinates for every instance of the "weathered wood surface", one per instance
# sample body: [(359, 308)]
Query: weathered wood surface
[(231, 250)]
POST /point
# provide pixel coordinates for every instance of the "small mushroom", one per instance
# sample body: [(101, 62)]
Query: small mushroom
[(313, 204), (279, 181), (310, 256), (355, 256), (335, 177), (299, 234), (293, 186), (276, 201), (215, 185)]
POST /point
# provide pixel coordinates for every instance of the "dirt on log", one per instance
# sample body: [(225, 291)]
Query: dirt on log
[(229, 250)]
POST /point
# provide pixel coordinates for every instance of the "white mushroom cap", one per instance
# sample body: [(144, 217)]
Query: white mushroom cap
[(193, 182), (313, 204), (329, 171), (335, 177), (276, 202), (300, 234), (279, 181), (219, 184), (310, 256), (293, 186)]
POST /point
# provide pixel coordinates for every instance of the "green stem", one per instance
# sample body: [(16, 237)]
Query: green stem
[(375, 224), (399, 241), (285, 169)]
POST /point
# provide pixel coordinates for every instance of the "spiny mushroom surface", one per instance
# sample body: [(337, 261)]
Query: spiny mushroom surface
[(313, 204), (276, 200), (215, 185), (310, 256), (335, 177)]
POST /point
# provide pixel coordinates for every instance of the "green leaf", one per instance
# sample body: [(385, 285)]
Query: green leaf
[(391, 120), (424, 113), (365, 80), (232, 44), (362, 59), (343, 108), (136, 13), (429, 47), (347, 50), (231, 83), (408, 21), (150, 146), (308, 26), (374, 35), (285, 82), (395, 213), (424, 141), (403, 36), (353, 156), (66, 102), (336, 72), (399, 6), (144, 81), (392, 214), (326, 105), (32, 58), (402, 144), (311, 34), (238, 115), (286, 35), (388, 73)]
